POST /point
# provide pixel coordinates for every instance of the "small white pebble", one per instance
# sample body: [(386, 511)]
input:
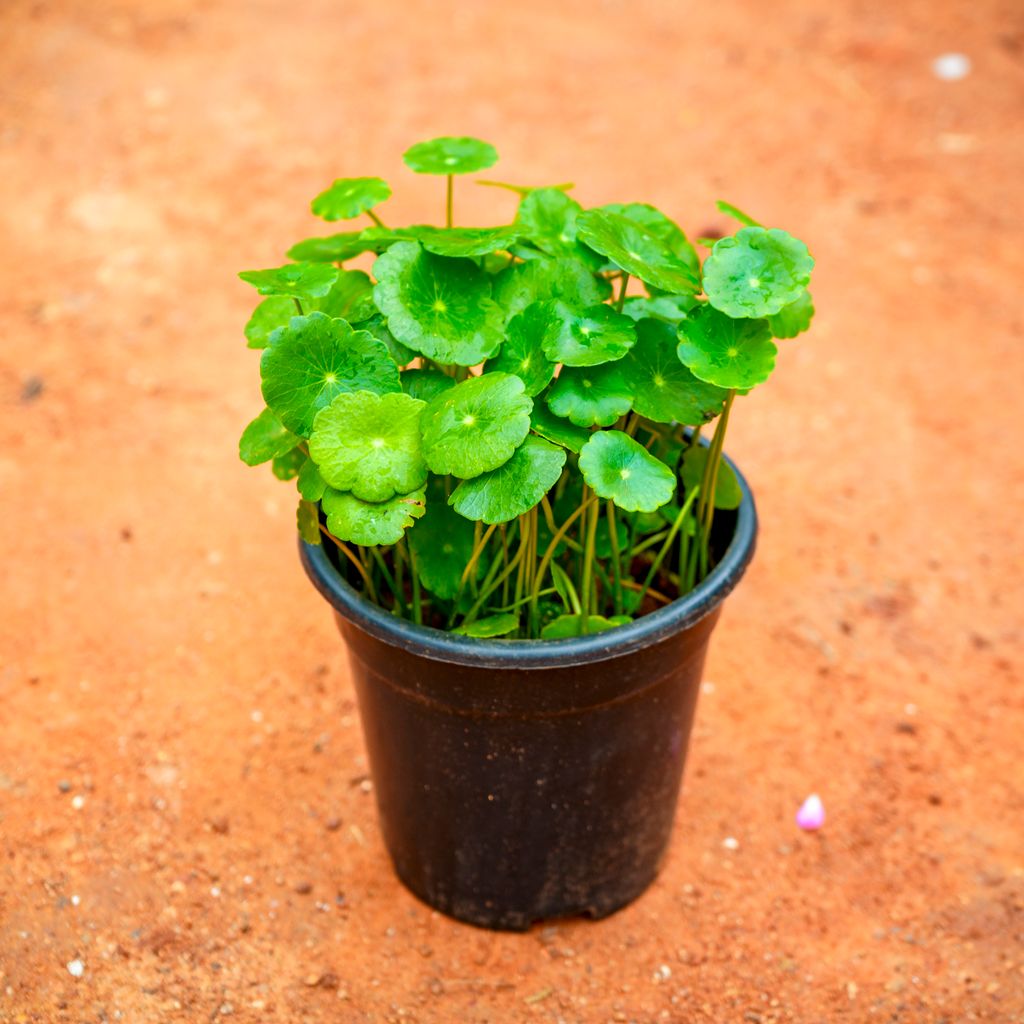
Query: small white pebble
[(257, 716), (78, 802), (663, 973), (951, 67), (76, 968), (75, 900), (707, 687), (910, 709), (215, 891), (731, 843), (247, 879)]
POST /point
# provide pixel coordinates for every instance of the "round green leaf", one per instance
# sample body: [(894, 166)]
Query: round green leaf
[(334, 248), (554, 428), (596, 335), (663, 389), (466, 241), (727, 352), (476, 425), (662, 227), (493, 625), (426, 384), (349, 197), (636, 250), (315, 358), (361, 522), (449, 241), (350, 297), (378, 327), (793, 319), (442, 545), (727, 488), (590, 397), (369, 444), (542, 279), (617, 467), (448, 155), (756, 272), (438, 306), (522, 352), (670, 308), (310, 483), (307, 519), (264, 439), (547, 217), (288, 465), (266, 318), (513, 488), (296, 280), (565, 626)]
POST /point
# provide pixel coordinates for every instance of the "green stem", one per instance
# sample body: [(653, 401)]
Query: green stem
[(371, 591), (648, 542), (376, 220), (389, 579), (621, 300), (490, 585), (650, 592), (298, 305), (478, 548), (504, 555), (550, 553), (660, 557), (523, 600), (448, 201), (613, 535), (586, 581), (709, 482), (414, 576)]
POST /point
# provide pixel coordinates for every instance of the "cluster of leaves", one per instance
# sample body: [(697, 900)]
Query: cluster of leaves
[(498, 429)]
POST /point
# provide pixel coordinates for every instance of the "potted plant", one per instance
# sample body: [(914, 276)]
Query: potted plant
[(508, 448)]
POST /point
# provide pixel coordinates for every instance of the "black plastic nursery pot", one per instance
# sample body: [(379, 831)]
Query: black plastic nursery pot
[(523, 780)]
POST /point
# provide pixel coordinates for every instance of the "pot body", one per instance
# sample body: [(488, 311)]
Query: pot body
[(519, 781)]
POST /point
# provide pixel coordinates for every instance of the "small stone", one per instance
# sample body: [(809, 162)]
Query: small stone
[(64, 786), (226, 1009), (851, 990), (332, 824), (76, 968), (31, 389), (220, 825), (731, 843), (78, 802), (303, 888)]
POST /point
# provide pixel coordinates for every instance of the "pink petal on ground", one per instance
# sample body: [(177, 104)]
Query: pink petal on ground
[(811, 815)]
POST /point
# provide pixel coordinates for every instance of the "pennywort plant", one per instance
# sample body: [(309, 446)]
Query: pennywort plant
[(501, 430)]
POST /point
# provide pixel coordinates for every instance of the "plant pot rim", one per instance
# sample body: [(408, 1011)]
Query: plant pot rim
[(439, 645)]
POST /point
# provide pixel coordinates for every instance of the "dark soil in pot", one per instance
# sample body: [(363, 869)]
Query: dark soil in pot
[(519, 781)]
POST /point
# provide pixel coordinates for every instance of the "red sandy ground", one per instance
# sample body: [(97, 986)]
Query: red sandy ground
[(214, 852)]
